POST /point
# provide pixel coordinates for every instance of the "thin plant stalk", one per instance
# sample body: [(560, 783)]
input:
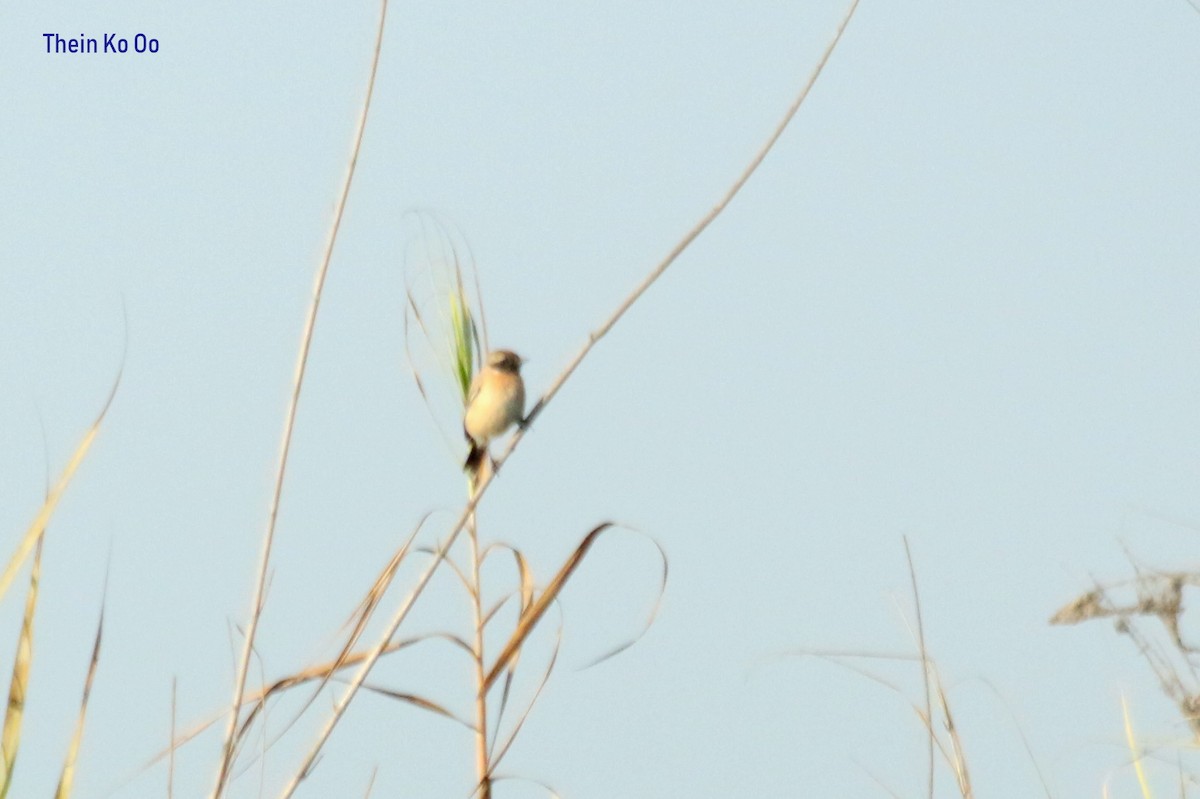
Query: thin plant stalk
[(256, 605), (466, 354), (912, 573), (482, 765), (594, 337), (66, 779)]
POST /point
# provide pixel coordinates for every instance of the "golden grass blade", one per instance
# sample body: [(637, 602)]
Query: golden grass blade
[(533, 615), (594, 337), (525, 591), (1135, 750), (533, 611), (480, 727), (912, 574), (958, 761), (256, 604), (418, 701), (512, 736), (320, 672), (375, 594), (10, 738), (358, 622), (325, 674), (454, 567), (524, 574), (67, 778), (500, 603), (51, 502)]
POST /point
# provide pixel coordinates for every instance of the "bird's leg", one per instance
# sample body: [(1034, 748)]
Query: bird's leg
[(529, 417)]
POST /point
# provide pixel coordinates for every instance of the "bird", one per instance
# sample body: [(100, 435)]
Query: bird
[(495, 402)]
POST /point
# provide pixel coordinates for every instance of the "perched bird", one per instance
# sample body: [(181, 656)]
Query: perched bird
[(495, 402)]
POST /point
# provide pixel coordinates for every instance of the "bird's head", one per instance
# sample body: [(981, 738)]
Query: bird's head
[(505, 361)]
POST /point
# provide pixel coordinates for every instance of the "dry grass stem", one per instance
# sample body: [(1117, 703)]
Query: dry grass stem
[(256, 605), (512, 736), (949, 745), (66, 780), (531, 616), (912, 574), (34, 533), (322, 673), (18, 686), (475, 589), (1155, 596), (418, 701)]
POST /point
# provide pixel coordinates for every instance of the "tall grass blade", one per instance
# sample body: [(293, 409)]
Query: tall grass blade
[(533, 615), (10, 737), (259, 698), (418, 701), (526, 576), (34, 533), (67, 778), (1135, 750), (466, 341), (912, 574), (512, 736)]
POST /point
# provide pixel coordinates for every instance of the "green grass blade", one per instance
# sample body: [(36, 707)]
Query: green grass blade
[(466, 341)]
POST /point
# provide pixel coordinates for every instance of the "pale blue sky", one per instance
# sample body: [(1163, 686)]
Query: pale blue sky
[(957, 303)]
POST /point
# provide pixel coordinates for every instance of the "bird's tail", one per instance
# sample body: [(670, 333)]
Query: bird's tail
[(474, 458)]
